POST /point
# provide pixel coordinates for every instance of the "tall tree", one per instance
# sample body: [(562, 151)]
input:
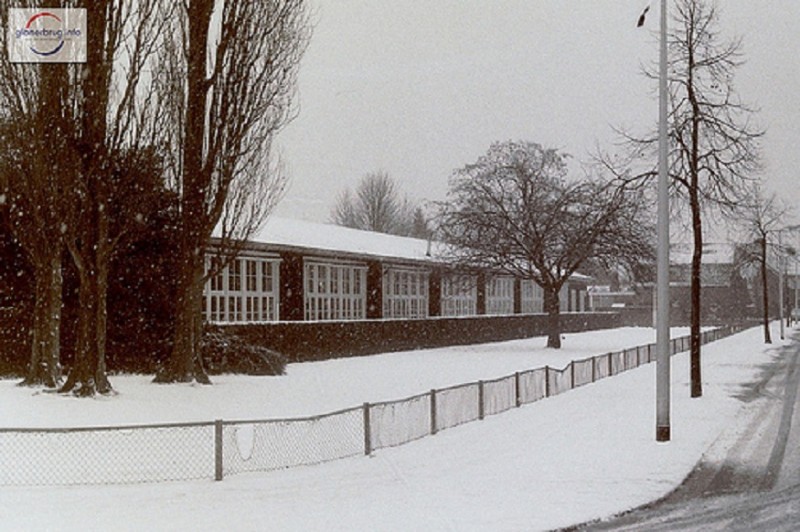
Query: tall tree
[(714, 145), (34, 135), (515, 210), (86, 123), (229, 80), (378, 205), (116, 119), (762, 218)]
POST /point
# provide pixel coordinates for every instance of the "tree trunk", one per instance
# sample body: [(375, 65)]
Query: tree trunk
[(697, 230), (88, 375), (44, 368), (553, 309), (81, 379), (100, 322), (696, 287), (90, 249), (765, 290), (185, 363)]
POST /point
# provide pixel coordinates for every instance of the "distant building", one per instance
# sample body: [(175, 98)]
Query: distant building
[(730, 286)]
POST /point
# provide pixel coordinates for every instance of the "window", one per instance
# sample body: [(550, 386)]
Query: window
[(500, 295), (218, 281), (335, 291), (405, 293), (252, 275), (235, 275), (563, 298), (532, 297), (230, 298), (459, 295)]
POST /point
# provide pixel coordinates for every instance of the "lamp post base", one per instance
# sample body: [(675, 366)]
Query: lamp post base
[(662, 433)]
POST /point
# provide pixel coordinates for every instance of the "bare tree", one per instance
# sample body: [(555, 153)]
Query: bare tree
[(228, 80), (762, 219), (33, 136), (714, 151), (116, 124), (84, 117), (514, 210), (377, 205), (420, 226)]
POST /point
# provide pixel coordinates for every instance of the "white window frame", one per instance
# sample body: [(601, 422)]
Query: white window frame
[(459, 295), (405, 293), (563, 298), (334, 291), (531, 297), (500, 295), (247, 290)]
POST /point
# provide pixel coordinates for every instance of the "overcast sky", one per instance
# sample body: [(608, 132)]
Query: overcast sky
[(419, 88)]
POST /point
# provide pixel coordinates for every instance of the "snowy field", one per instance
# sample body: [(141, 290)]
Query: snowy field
[(309, 388), (585, 454)]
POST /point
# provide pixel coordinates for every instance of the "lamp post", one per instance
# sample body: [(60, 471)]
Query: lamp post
[(794, 284), (782, 266), (662, 261)]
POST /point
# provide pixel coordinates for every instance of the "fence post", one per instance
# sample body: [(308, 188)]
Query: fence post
[(594, 369), (433, 411), (610, 365), (517, 395), (218, 450), (638, 360), (367, 431), (572, 375), (480, 400), (547, 381)]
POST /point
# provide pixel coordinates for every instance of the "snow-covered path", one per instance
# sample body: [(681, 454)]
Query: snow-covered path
[(581, 455), (750, 477)]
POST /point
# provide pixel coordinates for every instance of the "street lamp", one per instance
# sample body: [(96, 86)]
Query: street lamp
[(782, 266), (792, 316), (662, 261)]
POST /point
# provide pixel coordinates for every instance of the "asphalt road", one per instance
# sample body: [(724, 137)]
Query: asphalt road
[(747, 482)]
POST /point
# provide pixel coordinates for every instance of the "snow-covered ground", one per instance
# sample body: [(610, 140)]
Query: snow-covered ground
[(308, 388), (584, 454)]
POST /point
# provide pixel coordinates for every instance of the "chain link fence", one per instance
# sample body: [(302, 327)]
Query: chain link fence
[(249, 446), (106, 455), (212, 450)]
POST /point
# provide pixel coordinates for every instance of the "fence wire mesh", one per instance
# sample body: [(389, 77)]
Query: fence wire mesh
[(398, 422), (602, 366), (279, 444), (617, 362), (499, 395), (107, 455), (630, 356), (584, 371), (189, 451), (532, 386), (560, 379), (457, 405)]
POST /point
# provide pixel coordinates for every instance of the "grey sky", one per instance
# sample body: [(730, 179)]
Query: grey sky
[(420, 87)]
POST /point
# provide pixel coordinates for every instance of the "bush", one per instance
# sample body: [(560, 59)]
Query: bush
[(224, 352)]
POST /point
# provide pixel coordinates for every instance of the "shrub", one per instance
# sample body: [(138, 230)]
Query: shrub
[(224, 352)]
